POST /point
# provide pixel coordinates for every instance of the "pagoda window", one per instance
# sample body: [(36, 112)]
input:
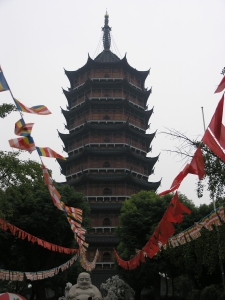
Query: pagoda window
[(107, 75), (106, 164), (107, 140), (106, 257), (106, 117), (107, 191), (106, 222)]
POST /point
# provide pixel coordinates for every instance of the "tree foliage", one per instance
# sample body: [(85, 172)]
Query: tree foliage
[(214, 178), (6, 109), (25, 202), (197, 261)]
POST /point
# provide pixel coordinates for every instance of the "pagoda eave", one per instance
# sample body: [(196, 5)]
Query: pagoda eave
[(89, 126), (97, 64), (89, 83), (113, 178)]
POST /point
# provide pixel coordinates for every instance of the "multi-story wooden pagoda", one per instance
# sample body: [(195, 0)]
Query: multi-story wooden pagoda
[(107, 143)]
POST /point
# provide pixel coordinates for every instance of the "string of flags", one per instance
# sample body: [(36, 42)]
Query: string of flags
[(214, 138), (192, 233), (20, 276), (21, 234), (26, 142), (165, 229)]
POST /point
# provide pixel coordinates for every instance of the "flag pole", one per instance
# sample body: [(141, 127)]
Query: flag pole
[(203, 118)]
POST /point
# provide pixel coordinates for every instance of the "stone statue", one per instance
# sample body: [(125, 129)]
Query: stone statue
[(116, 289), (84, 289)]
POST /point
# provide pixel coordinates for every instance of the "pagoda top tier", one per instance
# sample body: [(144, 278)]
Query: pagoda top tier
[(106, 55)]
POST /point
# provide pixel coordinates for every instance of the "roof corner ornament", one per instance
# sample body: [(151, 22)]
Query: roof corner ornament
[(106, 33)]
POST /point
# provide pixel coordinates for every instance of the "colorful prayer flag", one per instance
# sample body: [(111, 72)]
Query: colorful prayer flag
[(38, 109), (48, 152), (221, 86), (23, 129), (24, 143), (3, 84), (47, 178)]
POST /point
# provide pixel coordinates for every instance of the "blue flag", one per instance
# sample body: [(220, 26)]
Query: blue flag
[(3, 84)]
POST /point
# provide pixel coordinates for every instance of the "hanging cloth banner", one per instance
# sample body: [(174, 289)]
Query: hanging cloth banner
[(22, 235)]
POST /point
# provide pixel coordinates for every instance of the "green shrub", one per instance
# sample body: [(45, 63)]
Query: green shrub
[(210, 292), (194, 295)]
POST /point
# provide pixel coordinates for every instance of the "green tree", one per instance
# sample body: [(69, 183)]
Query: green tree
[(25, 202), (140, 215), (6, 109)]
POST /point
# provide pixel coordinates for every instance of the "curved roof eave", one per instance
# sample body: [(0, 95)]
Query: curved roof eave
[(67, 113), (109, 152), (72, 74), (66, 136), (117, 61), (144, 93), (113, 177), (143, 74)]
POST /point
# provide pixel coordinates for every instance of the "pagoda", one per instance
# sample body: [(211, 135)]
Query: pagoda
[(107, 143)]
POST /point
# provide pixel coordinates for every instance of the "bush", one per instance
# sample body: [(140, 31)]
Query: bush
[(194, 295), (183, 285), (210, 292), (222, 296)]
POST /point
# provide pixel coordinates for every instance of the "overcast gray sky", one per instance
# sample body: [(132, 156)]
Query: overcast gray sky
[(182, 42)]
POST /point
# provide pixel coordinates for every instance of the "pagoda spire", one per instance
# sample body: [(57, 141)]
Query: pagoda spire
[(106, 33)]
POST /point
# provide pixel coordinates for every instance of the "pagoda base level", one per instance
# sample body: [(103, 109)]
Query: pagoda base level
[(100, 276)]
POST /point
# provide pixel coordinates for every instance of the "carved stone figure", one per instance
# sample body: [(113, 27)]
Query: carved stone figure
[(117, 289), (84, 289)]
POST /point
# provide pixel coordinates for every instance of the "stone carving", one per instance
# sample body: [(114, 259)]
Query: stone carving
[(117, 289), (84, 289)]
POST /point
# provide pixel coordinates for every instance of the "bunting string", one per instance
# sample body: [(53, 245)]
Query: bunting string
[(21, 234), (19, 276), (88, 266), (165, 229), (26, 142), (214, 218)]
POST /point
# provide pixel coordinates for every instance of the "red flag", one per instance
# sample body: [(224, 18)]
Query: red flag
[(221, 86), (177, 181), (168, 216), (215, 124), (179, 208), (166, 230), (197, 163), (209, 141), (152, 247)]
